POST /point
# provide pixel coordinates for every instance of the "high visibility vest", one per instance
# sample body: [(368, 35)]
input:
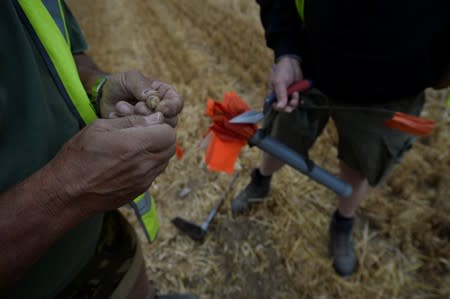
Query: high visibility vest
[(301, 8), (45, 20)]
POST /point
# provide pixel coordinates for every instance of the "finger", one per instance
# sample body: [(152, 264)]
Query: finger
[(138, 85), (124, 108), (173, 121), (154, 138), (132, 121), (294, 100), (113, 115), (280, 88), (142, 109), (171, 103)]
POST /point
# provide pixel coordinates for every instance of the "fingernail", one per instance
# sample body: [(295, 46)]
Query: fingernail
[(148, 91), (154, 117)]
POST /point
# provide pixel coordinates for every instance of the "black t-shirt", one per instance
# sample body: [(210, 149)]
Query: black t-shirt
[(363, 51)]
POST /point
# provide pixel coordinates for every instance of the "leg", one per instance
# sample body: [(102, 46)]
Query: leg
[(358, 181), (341, 243), (259, 186), (298, 130), (269, 164)]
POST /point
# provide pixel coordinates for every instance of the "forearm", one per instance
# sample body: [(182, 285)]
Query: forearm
[(87, 69), (33, 214)]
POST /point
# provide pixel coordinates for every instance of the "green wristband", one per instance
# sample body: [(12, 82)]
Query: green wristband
[(96, 93)]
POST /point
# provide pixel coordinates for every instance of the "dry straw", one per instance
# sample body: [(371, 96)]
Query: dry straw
[(278, 250)]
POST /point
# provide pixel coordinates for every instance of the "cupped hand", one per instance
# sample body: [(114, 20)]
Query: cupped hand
[(286, 71), (126, 94), (111, 161)]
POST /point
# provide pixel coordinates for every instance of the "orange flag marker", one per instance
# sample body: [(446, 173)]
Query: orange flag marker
[(410, 124), (226, 139), (179, 151)]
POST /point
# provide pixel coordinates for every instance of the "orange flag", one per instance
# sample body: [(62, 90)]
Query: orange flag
[(410, 124), (179, 151), (226, 139)]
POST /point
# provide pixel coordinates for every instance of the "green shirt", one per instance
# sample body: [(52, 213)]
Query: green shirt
[(34, 123)]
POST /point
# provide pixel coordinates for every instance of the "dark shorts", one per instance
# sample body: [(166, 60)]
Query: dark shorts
[(365, 143)]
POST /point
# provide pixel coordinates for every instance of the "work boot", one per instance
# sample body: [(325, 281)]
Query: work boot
[(256, 190), (341, 245)]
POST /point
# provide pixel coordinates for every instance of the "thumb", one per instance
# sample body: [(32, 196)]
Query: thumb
[(134, 121), (138, 85), (280, 89)]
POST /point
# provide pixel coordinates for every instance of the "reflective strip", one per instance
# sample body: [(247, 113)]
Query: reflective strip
[(58, 50), (60, 54), (54, 7), (145, 209), (301, 8)]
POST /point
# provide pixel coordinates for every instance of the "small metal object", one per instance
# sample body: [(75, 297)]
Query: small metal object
[(253, 117)]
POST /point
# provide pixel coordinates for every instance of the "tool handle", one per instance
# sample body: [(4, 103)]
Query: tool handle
[(212, 214), (292, 158), (300, 86)]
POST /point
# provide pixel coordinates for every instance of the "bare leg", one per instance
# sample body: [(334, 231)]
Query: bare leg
[(348, 205), (269, 164)]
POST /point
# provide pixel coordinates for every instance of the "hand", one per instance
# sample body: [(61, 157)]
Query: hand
[(111, 161), (286, 71), (125, 94)]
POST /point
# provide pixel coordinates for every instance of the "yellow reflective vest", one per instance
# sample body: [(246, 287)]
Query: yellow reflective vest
[(49, 31)]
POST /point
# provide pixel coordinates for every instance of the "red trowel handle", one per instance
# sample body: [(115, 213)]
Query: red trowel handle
[(298, 86)]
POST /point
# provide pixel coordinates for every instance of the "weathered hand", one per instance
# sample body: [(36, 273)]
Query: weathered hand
[(286, 71), (111, 161), (126, 93)]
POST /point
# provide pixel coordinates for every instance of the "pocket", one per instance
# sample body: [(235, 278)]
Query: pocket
[(397, 147)]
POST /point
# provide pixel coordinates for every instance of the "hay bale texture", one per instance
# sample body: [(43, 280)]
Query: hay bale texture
[(279, 250)]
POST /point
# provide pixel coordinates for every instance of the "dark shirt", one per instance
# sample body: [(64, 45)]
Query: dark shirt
[(363, 51), (34, 123)]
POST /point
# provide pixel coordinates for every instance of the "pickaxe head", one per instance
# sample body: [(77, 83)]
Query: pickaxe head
[(194, 231)]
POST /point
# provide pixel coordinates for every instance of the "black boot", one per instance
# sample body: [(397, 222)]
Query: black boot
[(341, 245), (256, 190)]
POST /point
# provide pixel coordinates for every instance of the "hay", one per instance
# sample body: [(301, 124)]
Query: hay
[(279, 250)]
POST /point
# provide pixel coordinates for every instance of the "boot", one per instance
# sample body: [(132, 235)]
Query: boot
[(256, 190), (341, 245)]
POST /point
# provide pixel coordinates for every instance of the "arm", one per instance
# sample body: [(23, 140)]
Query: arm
[(87, 69), (284, 35), (103, 167), (282, 27), (32, 216)]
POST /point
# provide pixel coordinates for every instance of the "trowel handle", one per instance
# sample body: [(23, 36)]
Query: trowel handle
[(292, 158), (300, 86)]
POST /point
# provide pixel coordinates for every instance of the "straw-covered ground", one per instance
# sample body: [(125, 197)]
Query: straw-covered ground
[(279, 250)]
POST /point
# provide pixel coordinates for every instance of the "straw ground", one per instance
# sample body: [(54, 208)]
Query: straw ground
[(278, 250)]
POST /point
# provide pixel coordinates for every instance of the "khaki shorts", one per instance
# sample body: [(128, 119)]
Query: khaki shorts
[(365, 143)]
